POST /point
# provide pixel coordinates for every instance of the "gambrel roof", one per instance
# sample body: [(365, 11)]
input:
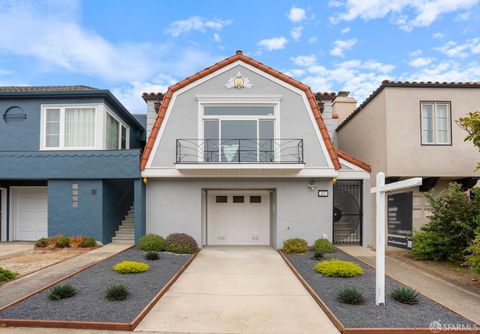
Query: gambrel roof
[(239, 56)]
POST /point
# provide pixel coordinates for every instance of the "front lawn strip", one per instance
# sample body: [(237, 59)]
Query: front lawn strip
[(367, 317), (89, 309)]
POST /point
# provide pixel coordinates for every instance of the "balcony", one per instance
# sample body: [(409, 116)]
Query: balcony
[(244, 154)]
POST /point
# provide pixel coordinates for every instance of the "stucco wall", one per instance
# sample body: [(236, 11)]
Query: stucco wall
[(406, 156), (86, 219), (176, 206), (294, 118)]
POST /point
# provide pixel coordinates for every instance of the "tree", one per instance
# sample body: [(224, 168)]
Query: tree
[(471, 124)]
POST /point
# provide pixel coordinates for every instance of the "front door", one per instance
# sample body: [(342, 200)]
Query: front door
[(347, 212), (238, 217)]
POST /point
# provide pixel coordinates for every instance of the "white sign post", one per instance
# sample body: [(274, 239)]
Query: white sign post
[(380, 190)]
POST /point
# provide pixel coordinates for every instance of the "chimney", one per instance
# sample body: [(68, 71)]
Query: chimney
[(154, 100), (343, 106)]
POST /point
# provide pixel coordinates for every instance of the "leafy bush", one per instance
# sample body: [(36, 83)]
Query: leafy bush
[(42, 242), (324, 245), (130, 267), (152, 256), (88, 242), (454, 217), (7, 275), (338, 268), (350, 295), (473, 257), (152, 242), (181, 243), (428, 245), (62, 291), (318, 254), (405, 295), (296, 245), (117, 292)]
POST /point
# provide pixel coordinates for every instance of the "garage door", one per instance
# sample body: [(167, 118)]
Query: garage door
[(238, 217), (30, 213)]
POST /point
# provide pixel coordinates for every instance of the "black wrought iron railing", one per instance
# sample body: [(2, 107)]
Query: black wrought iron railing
[(211, 151)]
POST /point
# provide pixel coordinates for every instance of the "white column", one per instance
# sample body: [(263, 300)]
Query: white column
[(380, 241)]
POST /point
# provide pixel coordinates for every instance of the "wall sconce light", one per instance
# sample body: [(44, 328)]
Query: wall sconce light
[(312, 185), (145, 180), (334, 180)]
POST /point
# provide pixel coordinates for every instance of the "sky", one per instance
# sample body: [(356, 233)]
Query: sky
[(136, 46)]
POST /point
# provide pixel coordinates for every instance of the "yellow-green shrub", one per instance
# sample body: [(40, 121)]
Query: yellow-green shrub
[(323, 245), (130, 267), (338, 268), (296, 245)]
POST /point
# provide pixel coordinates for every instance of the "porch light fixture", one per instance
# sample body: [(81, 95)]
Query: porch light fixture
[(334, 180), (145, 180), (312, 185)]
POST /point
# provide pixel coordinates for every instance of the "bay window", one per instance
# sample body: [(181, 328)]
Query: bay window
[(69, 127), (435, 123), (115, 134)]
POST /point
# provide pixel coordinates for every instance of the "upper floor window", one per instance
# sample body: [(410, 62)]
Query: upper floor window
[(239, 133), (436, 123), (69, 127), (116, 134)]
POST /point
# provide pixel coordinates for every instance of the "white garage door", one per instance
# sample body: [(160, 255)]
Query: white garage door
[(30, 213), (238, 217)]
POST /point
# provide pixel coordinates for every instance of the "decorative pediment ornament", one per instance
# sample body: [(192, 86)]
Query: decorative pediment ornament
[(239, 81)]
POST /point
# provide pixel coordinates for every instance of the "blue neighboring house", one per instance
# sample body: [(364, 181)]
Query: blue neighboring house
[(69, 164)]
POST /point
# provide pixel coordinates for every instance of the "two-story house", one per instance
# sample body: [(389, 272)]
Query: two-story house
[(240, 154), (69, 164), (408, 129)]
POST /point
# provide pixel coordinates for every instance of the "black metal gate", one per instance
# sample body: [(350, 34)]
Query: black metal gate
[(347, 212)]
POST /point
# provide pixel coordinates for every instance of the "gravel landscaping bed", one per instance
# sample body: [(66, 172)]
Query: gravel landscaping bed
[(368, 315), (89, 303)]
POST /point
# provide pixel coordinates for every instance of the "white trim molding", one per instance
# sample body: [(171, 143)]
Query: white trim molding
[(3, 215), (247, 99)]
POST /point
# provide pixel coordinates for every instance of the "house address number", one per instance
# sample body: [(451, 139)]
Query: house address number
[(323, 193)]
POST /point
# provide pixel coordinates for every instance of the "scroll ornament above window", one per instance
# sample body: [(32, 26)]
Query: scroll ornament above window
[(239, 81)]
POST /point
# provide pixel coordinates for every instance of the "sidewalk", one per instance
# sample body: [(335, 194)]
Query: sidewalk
[(31, 283), (457, 299)]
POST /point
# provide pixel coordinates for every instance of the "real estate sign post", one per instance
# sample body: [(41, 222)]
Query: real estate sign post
[(380, 190)]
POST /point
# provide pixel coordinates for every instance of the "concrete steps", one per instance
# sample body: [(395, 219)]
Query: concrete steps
[(126, 231)]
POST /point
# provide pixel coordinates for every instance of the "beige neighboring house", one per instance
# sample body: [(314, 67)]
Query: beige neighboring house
[(408, 129)]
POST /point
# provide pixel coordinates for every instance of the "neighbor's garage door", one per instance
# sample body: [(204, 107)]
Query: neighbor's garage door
[(30, 213), (238, 217)]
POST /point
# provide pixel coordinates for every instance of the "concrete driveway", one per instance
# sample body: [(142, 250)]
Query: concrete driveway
[(237, 290), (13, 247)]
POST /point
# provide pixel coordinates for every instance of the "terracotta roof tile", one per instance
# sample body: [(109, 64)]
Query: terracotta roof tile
[(239, 56), (353, 160)]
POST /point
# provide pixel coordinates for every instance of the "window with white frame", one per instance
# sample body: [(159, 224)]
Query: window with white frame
[(240, 133), (436, 123), (116, 134), (69, 127)]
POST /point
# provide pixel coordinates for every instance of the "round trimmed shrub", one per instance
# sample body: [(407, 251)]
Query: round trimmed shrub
[(323, 245), (62, 291), (130, 267), (152, 242), (181, 243), (88, 242), (296, 245), (350, 295), (338, 268), (405, 295), (41, 243), (152, 256), (62, 242), (117, 292)]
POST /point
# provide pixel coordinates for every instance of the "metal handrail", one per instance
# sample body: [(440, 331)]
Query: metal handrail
[(239, 151)]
